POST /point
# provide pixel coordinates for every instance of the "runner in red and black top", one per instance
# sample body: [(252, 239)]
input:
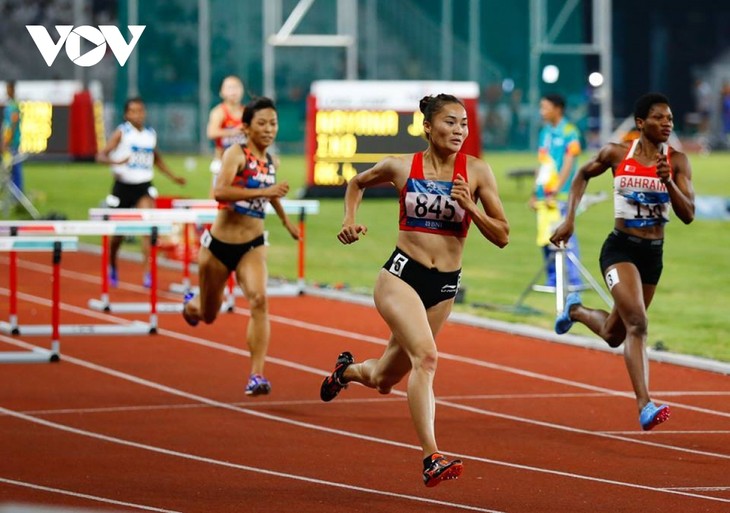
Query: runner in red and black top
[(235, 241), (649, 177), (225, 126), (416, 288)]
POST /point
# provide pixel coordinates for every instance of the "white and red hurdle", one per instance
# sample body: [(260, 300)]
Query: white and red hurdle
[(150, 216), (81, 228), (300, 207), (56, 245)]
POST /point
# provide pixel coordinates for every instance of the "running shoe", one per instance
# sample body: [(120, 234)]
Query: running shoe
[(563, 322), (258, 385), (147, 280), (436, 468), (653, 415), (333, 383), (190, 320), (113, 277)]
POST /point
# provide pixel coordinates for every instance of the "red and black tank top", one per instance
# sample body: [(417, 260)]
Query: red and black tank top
[(426, 205)]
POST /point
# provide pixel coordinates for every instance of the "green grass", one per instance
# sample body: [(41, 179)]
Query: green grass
[(687, 314)]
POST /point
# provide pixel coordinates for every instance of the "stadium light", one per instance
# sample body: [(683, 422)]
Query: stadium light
[(595, 79), (550, 74)]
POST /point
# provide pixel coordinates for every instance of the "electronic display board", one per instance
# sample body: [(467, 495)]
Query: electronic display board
[(351, 125), (45, 110)]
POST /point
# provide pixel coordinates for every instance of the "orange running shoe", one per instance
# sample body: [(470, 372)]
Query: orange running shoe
[(436, 468)]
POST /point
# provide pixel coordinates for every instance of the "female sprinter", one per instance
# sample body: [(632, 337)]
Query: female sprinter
[(416, 287)]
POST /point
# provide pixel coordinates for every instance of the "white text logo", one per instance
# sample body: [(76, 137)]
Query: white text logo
[(99, 37)]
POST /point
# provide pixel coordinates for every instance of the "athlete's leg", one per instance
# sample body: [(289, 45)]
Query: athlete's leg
[(114, 244), (212, 279), (252, 275), (145, 202), (381, 373), (628, 294), (610, 326), (412, 329)]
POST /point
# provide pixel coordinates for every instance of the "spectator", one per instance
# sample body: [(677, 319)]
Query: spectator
[(558, 147), (726, 114), (11, 135)]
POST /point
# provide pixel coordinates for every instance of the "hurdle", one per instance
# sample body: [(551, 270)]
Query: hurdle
[(300, 207), (81, 228), (57, 245), (151, 216)]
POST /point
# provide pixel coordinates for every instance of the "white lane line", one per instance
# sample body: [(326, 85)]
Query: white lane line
[(702, 488), (237, 466), (355, 336), (667, 432), (320, 372), (379, 400), (61, 491), (317, 427)]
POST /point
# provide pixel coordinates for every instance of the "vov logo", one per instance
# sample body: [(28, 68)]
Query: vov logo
[(99, 37)]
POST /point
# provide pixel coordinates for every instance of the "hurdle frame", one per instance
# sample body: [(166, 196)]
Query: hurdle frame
[(150, 215), (79, 228), (14, 244), (300, 207)]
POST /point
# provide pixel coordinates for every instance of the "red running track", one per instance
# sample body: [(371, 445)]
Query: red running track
[(161, 423)]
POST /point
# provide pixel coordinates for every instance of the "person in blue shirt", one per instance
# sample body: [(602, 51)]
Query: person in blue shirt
[(558, 149), (11, 134)]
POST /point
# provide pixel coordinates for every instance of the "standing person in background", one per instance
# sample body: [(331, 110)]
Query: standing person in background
[(416, 287), (235, 242), (225, 127), (558, 149), (10, 141), (649, 177), (132, 153), (725, 110)]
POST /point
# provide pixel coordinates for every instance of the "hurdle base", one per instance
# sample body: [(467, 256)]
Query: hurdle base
[(103, 306), (30, 330), (272, 290), (33, 356)]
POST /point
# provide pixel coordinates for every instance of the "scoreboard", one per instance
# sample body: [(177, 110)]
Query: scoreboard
[(351, 125), (45, 113)]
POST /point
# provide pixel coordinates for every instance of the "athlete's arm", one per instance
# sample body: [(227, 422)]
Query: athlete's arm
[(491, 221), (215, 120), (680, 189), (605, 159), (162, 166), (279, 209), (387, 170), (224, 189), (103, 156)]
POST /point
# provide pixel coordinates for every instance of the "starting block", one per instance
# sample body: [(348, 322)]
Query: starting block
[(56, 245)]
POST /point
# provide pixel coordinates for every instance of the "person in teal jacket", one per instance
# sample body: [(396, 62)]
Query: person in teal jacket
[(11, 134), (558, 149)]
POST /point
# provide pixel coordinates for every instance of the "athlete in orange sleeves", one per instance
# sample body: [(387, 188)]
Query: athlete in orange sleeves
[(225, 127), (235, 242), (416, 287), (648, 177)]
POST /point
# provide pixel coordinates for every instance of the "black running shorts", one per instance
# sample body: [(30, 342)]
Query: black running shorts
[(645, 254), (229, 254), (126, 195), (431, 285)]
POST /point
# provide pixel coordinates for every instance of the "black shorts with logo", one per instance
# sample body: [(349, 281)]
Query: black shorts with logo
[(431, 285), (229, 254), (645, 254), (126, 195)]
